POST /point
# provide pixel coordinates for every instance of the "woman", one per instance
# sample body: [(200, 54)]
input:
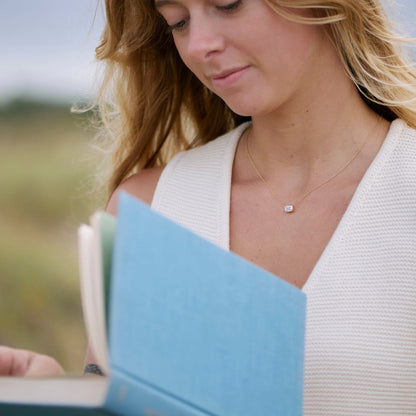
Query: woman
[(318, 187)]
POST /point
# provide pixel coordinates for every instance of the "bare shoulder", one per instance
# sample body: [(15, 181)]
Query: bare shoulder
[(141, 185)]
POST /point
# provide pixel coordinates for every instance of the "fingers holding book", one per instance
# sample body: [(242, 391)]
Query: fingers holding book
[(17, 362)]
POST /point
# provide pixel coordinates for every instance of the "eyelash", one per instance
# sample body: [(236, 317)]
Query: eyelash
[(228, 8)]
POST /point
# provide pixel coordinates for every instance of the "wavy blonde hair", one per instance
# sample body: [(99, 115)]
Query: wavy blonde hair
[(152, 106)]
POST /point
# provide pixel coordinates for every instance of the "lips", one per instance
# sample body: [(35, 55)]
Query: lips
[(226, 73), (228, 77)]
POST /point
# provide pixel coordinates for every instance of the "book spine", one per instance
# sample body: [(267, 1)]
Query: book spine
[(128, 396), (44, 410)]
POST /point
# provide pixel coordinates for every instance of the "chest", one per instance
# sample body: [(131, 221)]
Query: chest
[(287, 245)]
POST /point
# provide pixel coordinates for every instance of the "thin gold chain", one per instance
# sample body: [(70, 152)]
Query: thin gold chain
[(289, 208)]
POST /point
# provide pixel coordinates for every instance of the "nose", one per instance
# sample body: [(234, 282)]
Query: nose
[(205, 39)]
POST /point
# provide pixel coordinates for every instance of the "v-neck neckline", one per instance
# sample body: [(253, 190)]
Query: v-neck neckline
[(352, 210)]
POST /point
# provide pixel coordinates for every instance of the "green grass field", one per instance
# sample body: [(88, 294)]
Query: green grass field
[(46, 170)]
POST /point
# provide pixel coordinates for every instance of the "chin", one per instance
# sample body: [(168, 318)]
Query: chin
[(242, 109), (249, 105), (249, 111), (257, 108)]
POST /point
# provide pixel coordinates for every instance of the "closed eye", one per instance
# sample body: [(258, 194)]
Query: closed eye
[(231, 6), (227, 8), (177, 26)]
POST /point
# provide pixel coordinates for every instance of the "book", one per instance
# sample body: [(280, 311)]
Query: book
[(95, 248), (193, 330)]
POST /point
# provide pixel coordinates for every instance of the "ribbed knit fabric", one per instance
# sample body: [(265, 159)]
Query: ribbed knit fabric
[(360, 349), (194, 188)]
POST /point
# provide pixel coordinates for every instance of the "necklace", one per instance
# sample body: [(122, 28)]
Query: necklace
[(290, 208)]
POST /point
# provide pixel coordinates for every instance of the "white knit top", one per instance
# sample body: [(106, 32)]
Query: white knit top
[(360, 346)]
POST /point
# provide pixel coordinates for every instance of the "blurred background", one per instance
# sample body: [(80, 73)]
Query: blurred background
[(47, 168), (48, 163)]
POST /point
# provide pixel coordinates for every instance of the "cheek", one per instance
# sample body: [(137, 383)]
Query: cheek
[(278, 33), (179, 48), (184, 57), (292, 47), (193, 66)]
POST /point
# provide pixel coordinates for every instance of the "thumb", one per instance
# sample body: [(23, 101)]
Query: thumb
[(15, 362), (43, 365)]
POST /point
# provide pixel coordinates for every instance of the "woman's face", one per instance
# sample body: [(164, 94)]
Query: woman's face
[(243, 51)]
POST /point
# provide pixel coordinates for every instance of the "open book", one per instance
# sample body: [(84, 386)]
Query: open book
[(95, 248), (189, 329)]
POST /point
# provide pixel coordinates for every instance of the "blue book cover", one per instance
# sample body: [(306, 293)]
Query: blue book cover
[(195, 330)]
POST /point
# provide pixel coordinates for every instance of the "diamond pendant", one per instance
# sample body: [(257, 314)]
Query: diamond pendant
[(289, 209)]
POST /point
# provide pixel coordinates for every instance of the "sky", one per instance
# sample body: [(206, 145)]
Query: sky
[(47, 46), (402, 12)]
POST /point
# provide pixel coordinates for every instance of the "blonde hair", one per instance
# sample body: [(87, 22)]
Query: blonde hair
[(150, 101)]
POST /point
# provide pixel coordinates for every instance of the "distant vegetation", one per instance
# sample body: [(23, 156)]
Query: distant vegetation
[(47, 169)]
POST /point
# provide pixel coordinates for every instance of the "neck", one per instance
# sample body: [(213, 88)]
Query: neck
[(296, 151), (313, 134), (310, 136)]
